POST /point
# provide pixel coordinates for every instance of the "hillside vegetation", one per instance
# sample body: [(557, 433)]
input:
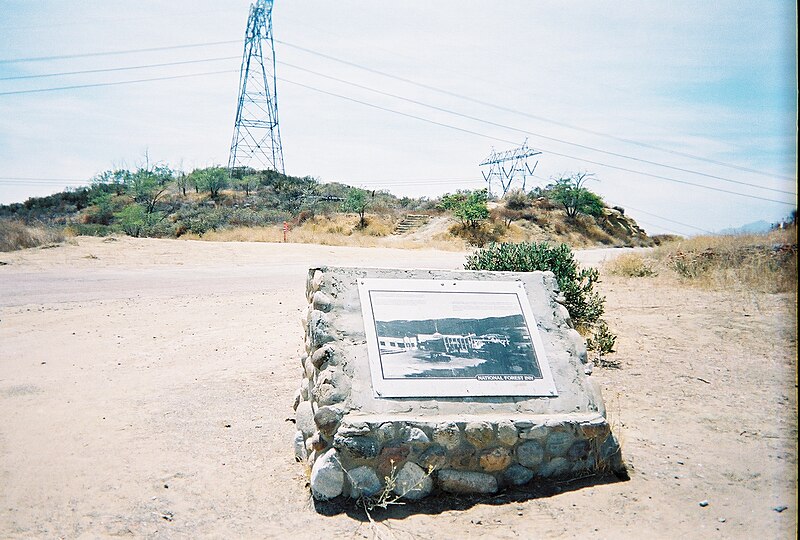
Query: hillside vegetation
[(755, 262), (157, 201)]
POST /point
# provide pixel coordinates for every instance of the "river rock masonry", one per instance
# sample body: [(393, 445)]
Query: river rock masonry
[(361, 444)]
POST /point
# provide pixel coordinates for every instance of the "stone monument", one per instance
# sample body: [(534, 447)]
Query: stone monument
[(420, 381)]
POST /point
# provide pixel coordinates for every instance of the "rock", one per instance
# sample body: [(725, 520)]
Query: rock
[(495, 459), (300, 452), (387, 431), (466, 481), (578, 345), (507, 433), (412, 482), (304, 418), (327, 420), (535, 433), (703, 503), (320, 330), (517, 475), (358, 447), (298, 397), (554, 468), (322, 355), (530, 454), (327, 476), (447, 435), (463, 457), (559, 442), (353, 430), (314, 282), (308, 367), (363, 482), (433, 458), (321, 301), (415, 435), (304, 388), (579, 450), (479, 434), (392, 458), (317, 443), (589, 463)]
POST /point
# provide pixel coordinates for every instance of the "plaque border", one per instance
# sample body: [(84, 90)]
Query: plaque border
[(450, 386)]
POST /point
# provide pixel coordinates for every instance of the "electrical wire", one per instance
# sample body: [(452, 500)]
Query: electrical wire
[(529, 115), (113, 53), (526, 132), (96, 85), (127, 68), (471, 132)]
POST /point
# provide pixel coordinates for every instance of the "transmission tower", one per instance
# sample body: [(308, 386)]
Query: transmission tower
[(508, 166), (256, 134)]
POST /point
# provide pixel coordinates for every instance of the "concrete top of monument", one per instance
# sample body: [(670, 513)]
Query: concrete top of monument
[(432, 344)]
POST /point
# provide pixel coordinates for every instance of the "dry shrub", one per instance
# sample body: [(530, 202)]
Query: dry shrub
[(588, 227), (659, 239), (630, 265), (481, 235), (766, 262), (15, 234)]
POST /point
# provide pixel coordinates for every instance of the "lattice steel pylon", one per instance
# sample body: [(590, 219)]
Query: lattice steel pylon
[(256, 134), (516, 161)]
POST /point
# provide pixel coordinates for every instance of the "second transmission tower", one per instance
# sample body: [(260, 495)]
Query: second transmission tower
[(256, 135)]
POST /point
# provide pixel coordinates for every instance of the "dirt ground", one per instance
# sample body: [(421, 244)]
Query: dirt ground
[(146, 390)]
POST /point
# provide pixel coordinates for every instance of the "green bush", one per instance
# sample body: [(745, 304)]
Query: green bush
[(585, 306)]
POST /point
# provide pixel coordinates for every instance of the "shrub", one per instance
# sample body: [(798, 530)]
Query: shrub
[(602, 342), (468, 206), (585, 306), (516, 200)]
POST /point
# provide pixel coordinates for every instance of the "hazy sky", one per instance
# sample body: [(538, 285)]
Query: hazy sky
[(616, 83)]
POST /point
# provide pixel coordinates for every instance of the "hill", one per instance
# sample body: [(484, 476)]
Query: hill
[(267, 206)]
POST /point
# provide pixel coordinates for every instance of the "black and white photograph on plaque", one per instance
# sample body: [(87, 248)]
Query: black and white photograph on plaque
[(465, 337)]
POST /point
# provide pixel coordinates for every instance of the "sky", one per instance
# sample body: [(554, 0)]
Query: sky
[(684, 111)]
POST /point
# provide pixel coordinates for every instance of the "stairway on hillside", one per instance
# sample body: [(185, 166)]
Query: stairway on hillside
[(410, 222)]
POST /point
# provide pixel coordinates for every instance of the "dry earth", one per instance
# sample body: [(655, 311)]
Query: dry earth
[(145, 387)]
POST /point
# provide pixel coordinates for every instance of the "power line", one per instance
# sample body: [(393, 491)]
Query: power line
[(522, 113), (127, 68), (112, 53), (463, 130), (667, 219), (523, 131), (95, 85)]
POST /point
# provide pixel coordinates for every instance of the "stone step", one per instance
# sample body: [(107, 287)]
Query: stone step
[(410, 222)]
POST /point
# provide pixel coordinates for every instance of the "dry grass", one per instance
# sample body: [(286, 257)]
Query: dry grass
[(15, 234), (630, 265), (766, 263), (336, 230)]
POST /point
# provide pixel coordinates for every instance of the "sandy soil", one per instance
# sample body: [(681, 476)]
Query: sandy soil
[(146, 387)]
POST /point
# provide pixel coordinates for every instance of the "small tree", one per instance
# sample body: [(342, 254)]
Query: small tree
[(133, 220), (148, 186), (212, 180), (357, 201), (247, 183), (468, 206), (576, 199)]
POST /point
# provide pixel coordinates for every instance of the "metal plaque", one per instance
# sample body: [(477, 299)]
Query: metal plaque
[(438, 338)]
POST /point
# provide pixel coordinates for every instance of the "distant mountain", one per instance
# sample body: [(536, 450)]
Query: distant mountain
[(756, 227)]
